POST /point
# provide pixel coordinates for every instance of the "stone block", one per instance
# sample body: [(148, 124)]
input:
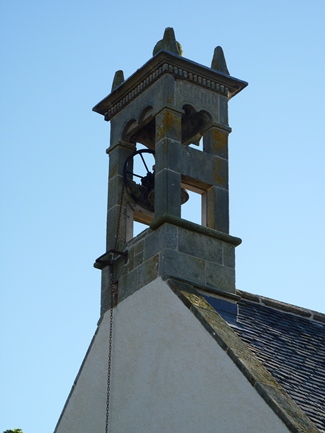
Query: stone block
[(118, 156), (147, 271), (221, 277), (128, 284), (215, 170), (112, 225), (215, 142), (169, 154), (168, 193), (115, 189), (139, 247), (199, 245), (217, 209), (223, 110), (228, 255), (169, 125), (198, 97), (192, 161), (112, 217), (105, 289), (176, 264), (219, 171), (138, 259), (160, 239), (130, 263)]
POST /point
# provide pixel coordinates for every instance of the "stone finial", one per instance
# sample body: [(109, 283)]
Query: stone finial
[(219, 62), (168, 43), (118, 79)]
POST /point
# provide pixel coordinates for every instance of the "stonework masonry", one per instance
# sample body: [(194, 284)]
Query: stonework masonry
[(166, 105), (177, 347), (181, 250)]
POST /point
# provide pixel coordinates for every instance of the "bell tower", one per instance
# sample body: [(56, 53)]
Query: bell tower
[(156, 114)]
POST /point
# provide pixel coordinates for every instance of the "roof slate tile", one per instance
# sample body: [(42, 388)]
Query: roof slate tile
[(290, 342)]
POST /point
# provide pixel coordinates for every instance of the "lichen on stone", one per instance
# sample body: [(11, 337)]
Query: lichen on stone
[(219, 62), (118, 79), (168, 43)]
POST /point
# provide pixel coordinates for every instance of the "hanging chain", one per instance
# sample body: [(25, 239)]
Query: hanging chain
[(113, 289), (109, 364)]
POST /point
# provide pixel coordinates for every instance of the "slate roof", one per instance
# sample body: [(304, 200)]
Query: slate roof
[(290, 343)]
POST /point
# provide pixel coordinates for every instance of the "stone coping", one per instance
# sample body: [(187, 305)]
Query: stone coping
[(221, 294), (189, 225)]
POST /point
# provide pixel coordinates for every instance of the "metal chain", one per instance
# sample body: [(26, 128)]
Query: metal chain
[(110, 338), (119, 216), (109, 363)]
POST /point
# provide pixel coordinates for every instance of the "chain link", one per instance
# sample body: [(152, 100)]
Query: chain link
[(109, 363), (113, 291), (119, 217)]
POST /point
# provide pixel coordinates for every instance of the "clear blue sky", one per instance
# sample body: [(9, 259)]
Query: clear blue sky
[(58, 60)]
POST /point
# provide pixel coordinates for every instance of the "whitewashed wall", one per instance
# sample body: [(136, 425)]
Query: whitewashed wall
[(169, 375)]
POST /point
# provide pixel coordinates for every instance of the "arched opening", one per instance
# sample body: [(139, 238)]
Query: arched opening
[(194, 123), (143, 130)]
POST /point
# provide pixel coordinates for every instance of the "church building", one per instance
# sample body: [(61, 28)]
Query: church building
[(178, 349)]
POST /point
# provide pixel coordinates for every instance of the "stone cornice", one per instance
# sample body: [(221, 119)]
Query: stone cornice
[(189, 225), (167, 63)]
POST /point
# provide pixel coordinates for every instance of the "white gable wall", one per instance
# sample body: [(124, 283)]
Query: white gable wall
[(168, 375)]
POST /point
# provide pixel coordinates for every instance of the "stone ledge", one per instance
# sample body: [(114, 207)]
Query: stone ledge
[(190, 287), (189, 225)]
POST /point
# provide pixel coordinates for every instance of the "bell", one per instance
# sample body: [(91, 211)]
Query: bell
[(143, 193), (184, 196)]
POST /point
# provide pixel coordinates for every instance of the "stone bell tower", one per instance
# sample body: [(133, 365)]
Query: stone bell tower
[(166, 105), (157, 361)]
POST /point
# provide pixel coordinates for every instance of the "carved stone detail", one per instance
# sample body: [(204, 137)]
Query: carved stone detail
[(165, 69)]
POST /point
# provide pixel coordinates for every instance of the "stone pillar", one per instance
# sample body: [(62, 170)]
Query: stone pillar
[(167, 181), (215, 142), (118, 154)]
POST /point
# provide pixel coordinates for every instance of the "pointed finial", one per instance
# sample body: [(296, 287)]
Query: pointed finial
[(219, 62), (168, 43), (118, 79)]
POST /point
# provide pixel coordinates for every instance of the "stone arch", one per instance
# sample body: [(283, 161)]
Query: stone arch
[(129, 130), (194, 124), (146, 115), (145, 133)]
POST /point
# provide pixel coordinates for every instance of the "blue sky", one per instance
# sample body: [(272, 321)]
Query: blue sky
[(58, 60)]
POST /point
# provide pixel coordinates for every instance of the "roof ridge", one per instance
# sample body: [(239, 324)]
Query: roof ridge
[(283, 306)]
